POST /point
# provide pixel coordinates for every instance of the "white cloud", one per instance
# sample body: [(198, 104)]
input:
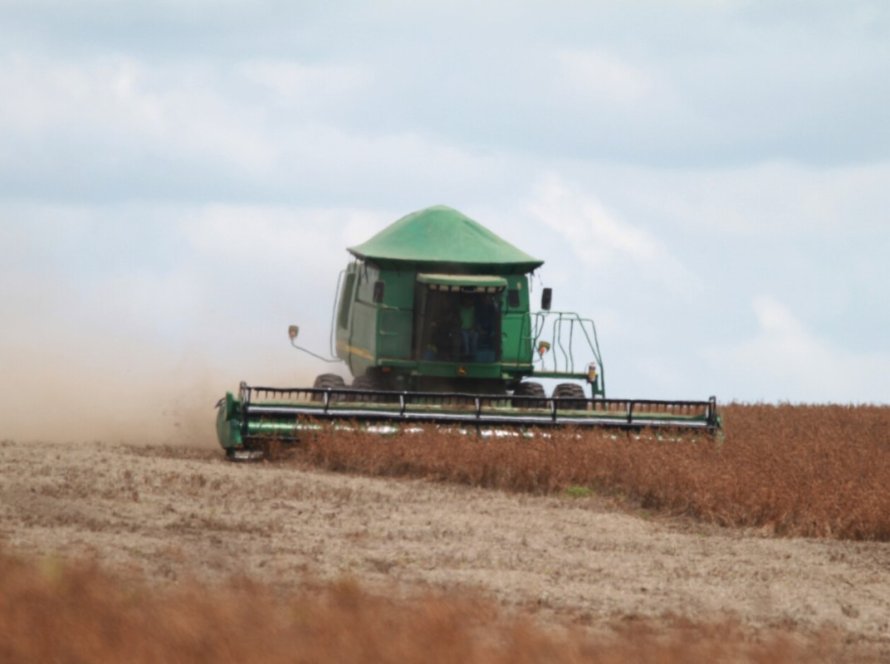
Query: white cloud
[(785, 360), (303, 85), (278, 238), (594, 76), (267, 266), (406, 163), (679, 138), (602, 240), (778, 198), (263, 129), (121, 105)]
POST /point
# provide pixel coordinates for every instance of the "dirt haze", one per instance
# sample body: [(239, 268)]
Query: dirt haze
[(152, 396), (175, 512)]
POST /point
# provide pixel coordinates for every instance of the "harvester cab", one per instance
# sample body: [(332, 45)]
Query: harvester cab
[(433, 321), (417, 327)]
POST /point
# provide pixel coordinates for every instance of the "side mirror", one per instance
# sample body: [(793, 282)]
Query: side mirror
[(547, 299), (293, 331), (378, 292)]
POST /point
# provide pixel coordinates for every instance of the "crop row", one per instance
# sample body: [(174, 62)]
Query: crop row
[(821, 471), (66, 612)]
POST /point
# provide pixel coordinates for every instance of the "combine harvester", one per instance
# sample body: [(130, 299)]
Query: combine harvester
[(433, 321)]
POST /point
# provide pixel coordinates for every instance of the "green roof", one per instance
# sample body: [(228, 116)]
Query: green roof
[(443, 236)]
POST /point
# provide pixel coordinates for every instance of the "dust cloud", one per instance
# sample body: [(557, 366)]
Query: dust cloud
[(123, 332), (134, 395)]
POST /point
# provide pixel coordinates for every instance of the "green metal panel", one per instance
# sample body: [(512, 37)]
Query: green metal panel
[(516, 325), (375, 330), (395, 322), (356, 319), (459, 370), (441, 235), (344, 309), (363, 338), (228, 422), (394, 333)]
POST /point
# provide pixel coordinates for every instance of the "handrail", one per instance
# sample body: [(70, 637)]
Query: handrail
[(563, 326), (383, 405)]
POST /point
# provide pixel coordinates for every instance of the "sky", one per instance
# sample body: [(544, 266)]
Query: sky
[(708, 180)]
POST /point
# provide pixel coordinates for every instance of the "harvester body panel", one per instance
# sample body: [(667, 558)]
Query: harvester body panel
[(425, 324)]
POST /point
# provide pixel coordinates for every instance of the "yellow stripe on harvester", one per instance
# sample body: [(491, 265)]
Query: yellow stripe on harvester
[(354, 350)]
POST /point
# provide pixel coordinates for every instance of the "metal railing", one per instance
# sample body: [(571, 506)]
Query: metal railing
[(472, 409)]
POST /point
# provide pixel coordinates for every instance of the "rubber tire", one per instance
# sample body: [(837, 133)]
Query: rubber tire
[(328, 381), (530, 389), (570, 391), (364, 382)]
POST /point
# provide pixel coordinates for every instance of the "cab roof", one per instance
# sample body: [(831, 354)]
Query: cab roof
[(441, 235)]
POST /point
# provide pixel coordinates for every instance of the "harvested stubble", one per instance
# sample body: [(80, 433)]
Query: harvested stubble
[(820, 471), (62, 612)]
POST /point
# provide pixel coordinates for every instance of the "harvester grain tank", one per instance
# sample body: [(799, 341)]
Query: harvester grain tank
[(433, 321)]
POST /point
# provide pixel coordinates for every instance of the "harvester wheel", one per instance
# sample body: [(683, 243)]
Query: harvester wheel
[(572, 391), (530, 390), (364, 382), (328, 381)]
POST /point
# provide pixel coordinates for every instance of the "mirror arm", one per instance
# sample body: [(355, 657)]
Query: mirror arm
[(293, 331)]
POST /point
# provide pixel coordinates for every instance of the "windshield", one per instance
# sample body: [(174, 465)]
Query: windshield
[(459, 325)]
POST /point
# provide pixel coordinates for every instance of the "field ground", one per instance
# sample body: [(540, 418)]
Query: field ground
[(178, 513)]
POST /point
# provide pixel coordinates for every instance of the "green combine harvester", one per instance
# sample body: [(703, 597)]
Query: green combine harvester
[(433, 320)]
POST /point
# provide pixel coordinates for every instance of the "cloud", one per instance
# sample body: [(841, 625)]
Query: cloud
[(132, 322), (110, 115), (116, 128), (302, 86), (693, 82), (187, 179), (781, 199), (603, 241), (270, 239), (785, 360), (601, 78)]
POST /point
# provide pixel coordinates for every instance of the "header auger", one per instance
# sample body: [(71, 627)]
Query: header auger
[(433, 321)]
